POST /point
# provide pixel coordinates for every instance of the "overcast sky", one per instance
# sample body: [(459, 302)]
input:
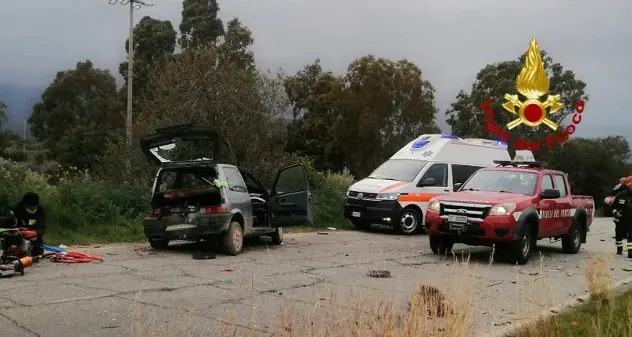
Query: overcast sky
[(449, 39)]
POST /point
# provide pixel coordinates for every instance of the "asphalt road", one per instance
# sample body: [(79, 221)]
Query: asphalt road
[(138, 292)]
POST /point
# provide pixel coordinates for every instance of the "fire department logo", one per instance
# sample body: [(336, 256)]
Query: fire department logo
[(533, 84)]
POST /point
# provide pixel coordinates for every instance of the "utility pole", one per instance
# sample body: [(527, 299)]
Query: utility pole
[(133, 4)]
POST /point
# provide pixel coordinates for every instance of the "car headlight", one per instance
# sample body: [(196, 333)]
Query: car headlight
[(387, 196), (434, 205), (502, 209), (347, 193)]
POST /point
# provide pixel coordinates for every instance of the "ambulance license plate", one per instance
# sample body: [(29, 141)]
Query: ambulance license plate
[(355, 214)]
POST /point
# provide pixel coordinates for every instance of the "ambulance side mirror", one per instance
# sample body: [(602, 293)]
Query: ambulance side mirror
[(456, 186), (428, 182)]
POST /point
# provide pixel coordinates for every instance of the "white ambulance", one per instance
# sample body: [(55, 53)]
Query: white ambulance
[(397, 192)]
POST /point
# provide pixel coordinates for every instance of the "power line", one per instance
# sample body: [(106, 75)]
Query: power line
[(133, 4)]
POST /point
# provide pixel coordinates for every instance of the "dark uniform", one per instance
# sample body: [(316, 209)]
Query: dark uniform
[(622, 212), (30, 213), (620, 230)]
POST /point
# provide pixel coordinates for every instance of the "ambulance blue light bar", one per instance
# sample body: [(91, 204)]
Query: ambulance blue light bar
[(501, 143), (418, 144), (449, 137)]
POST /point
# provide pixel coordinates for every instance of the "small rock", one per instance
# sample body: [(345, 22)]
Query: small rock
[(603, 240), (323, 233), (553, 311), (570, 274), (379, 273), (331, 228), (579, 299), (627, 269), (484, 313)]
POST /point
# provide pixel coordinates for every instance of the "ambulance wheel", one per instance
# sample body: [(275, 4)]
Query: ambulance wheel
[(409, 221), (362, 225)]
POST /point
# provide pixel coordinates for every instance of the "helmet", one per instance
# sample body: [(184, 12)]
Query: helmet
[(622, 180), (628, 182)]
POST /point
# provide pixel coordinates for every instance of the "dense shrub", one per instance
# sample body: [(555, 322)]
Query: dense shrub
[(80, 208), (83, 209), (328, 196)]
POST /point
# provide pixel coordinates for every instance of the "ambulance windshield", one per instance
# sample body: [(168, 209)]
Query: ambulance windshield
[(398, 169)]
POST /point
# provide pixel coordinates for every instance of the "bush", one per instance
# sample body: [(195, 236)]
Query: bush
[(84, 209), (80, 209), (328, 195)]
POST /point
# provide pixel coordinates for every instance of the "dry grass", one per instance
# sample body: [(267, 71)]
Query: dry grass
[(427, 312)]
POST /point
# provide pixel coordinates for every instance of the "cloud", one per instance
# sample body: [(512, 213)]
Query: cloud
[(449, 40)]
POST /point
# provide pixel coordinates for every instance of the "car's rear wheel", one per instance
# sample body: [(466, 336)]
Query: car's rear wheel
[(409, 221), (440, 245), (521, 249), (233, 239), (159, 244), (277, 236), (572, 242)]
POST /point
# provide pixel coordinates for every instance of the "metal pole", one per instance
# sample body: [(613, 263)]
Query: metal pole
[(130, 73)]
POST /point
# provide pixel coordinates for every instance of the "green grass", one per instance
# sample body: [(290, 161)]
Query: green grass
[(606, 314)]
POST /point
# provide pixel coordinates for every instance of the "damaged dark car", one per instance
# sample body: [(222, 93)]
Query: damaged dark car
[(196, 197)]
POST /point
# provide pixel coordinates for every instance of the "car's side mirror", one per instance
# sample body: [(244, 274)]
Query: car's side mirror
[(428, 182), (550, 194), (456, 186)]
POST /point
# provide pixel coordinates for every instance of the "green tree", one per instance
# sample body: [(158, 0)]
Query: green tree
[(154, 42), (200, 24), (243, 107), (361, 118), (78, 104), (3, 112), (466, 118), (594, 166), (236, 44)]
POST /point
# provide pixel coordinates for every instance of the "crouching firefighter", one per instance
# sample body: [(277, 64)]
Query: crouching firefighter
[(622, 213), (29, 213)]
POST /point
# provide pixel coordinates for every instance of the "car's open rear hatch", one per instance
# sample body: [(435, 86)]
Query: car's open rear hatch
[(185, 189), (183, 142)]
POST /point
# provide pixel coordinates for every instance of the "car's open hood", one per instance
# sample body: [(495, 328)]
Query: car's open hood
[(183, 142), (481, 197)]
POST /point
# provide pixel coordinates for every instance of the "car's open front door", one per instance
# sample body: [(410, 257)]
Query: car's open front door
[(291, 201)]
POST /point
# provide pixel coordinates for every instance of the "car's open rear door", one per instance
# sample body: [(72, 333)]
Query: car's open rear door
[(291, 201), (180, 143)]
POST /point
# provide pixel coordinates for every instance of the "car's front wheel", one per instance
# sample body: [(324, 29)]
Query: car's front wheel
[(233, 240), (277, 236)]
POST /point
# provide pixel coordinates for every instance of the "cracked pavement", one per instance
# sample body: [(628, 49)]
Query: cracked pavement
[(140, 292)]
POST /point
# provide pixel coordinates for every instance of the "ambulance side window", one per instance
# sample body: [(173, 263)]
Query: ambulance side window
[(460, 173), (440, 174)]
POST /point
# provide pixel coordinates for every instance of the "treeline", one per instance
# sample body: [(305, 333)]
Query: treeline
[(205, 73)]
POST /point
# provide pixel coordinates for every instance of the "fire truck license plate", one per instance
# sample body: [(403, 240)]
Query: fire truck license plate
[(459, 219)]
